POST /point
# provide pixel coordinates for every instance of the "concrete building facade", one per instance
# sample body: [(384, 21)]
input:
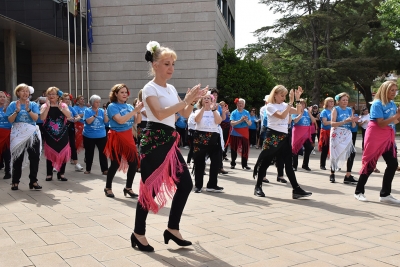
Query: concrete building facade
[(196, 30)]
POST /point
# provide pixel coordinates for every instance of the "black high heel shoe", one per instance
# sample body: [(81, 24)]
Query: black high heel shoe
[(14, 186), (61, 178), (37, 186), (130, 192), (49, 178), (108, 194), (246, 167), (168, 235), (141, 247)]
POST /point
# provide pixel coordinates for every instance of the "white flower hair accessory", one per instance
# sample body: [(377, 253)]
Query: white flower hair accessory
[(151, 48)]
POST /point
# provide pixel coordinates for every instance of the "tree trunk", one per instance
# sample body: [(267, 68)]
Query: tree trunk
[(365, 90)]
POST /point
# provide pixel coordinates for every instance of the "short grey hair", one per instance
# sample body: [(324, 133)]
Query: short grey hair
[(93, 98)]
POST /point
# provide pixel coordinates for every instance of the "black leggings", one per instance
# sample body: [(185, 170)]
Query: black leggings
[(49, 168), (306, 155), (90, 144), (324, 155), (71, 137), (183, 189), (114, 168), (6, 157), (214, 153), (350, 160), (33, 154)]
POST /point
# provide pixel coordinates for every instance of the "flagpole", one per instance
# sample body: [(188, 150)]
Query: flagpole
[(80, 17), (76, 67), (87, 53), (69, 51)]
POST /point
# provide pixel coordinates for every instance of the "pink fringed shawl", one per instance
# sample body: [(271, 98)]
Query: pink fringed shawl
[(300, 134), (160, 184), (376, 142)]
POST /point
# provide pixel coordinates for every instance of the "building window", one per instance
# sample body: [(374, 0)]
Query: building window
[(225, 9), (232, 28), (219, 4)]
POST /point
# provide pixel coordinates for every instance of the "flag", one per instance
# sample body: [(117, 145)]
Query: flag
[(73, 7), (89, 25)]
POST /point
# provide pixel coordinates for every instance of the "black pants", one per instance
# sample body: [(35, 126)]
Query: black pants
[(90, 144), (253, 136), (190, 141), (280, 165), (233, 159), (285, 154), (324, 155), (214, 153), (184, 187), (49, 168), (306, 155), (33, 154), (6, 158), (182, 133), (225, 134), (363, 136), (113, 170), (71, 138), (391, 167)]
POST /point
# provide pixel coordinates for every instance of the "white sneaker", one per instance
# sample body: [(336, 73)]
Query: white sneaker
[(78, 167), (54, 170), (186, 147), (208, 161), (389, 199), (189, 167), (313, 152), (251, 146), (360, 197)]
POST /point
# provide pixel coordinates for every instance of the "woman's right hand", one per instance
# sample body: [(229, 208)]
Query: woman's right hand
[(138, 107), (291, 96), (18, 106)]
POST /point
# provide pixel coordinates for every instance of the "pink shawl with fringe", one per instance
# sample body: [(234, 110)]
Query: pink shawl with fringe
[(300, 134)]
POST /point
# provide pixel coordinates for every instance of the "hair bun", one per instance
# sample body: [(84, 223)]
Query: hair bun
[(148, 56)]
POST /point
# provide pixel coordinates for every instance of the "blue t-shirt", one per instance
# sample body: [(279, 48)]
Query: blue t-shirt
[(378, 110), (235, 116), (305, 120), (73, 111), (253, 125), (265, 120), (121, 109), (326, 113), (96, 129), (343, 114), (80, 110), (181, 122), (23, 116), (4, 123)]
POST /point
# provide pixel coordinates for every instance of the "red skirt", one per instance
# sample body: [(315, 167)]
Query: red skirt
[(79, 136), (121, 147), (4, 140)]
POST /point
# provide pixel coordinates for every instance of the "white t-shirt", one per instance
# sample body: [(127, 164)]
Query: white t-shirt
[(262, 114), (167, 96), (207, 123), (280, 125), (144, 118), (191, 121), (365, 120)]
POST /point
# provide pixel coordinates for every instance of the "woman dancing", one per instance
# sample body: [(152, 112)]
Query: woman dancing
[(277, 141), (163, 167), (5, 130), (121, 147), (25, 137), (341, 145), (380, 141), (54, 114), (323, 143)]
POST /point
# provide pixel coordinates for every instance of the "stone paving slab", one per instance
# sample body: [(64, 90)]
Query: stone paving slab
[(73, 224)]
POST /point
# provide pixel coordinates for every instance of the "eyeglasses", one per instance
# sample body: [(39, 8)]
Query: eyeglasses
[(253, 110)]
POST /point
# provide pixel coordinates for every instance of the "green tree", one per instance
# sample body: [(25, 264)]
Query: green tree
[(389, 11), (326, 46), (242, 78)]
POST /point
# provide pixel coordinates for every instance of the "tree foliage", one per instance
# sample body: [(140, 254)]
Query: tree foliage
[(242, 78), (389, 14), (326, 46)]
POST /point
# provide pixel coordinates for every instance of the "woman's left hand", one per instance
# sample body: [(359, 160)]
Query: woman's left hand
[(298, 92), (138, 107)]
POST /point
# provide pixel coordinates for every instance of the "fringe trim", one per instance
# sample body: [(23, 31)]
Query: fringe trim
[(299, 136), (79, 136), (323, 139), (339, 161), (57, 158), (161, 182)]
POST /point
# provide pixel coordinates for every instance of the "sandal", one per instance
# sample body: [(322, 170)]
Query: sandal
[(14, 187), (49, 178), (87, 172), (104, 173), (378, 171)]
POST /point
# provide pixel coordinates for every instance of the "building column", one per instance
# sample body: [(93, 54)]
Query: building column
[(10, 60)]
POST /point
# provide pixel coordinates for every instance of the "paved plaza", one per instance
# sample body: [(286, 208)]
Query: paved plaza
[(73, 223)]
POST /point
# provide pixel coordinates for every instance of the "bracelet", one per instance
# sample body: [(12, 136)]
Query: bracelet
[(193, 103), (297, 101), (29, 110), (290, 104), (213, 110)]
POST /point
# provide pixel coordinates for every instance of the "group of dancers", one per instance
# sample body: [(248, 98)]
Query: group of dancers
[(164, 172)]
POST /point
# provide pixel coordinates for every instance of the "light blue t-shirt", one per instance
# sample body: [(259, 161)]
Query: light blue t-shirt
[(253, 125), (378, 110), (121, 109), (181, 122), (4, 123), (343, 114), (326, 113), (96, 129), (80, 110), (23, 116), (305, 120), (73, 111), (265, 118), (235, 116)]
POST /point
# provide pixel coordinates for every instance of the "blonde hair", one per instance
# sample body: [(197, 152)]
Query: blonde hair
[(327, 100), (140, 95), (339, 96), (159, 54), (51, 89), (20, 87), (383, 91), (278, 89)]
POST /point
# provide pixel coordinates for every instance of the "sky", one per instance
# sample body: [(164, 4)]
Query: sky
[(250, 16)]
